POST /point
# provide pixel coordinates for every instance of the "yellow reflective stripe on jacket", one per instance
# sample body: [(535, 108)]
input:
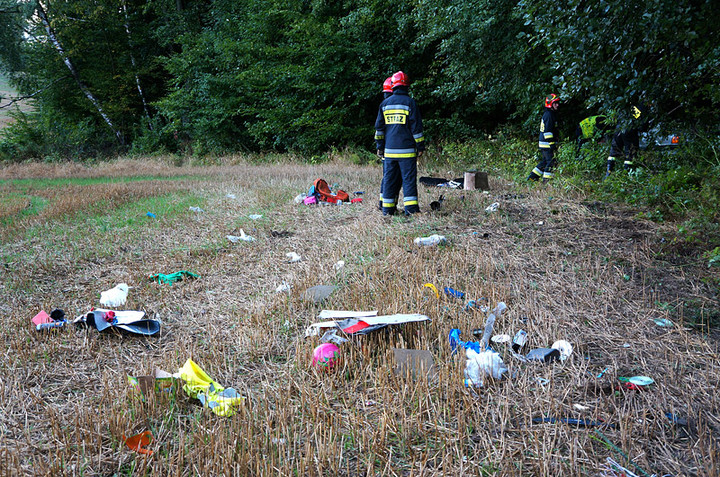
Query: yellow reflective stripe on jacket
[(400, 156)]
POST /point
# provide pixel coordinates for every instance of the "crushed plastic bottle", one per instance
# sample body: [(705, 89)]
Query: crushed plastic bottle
[(434, 239), (49, 326), (485, 341), (300, 197), (519, 341)]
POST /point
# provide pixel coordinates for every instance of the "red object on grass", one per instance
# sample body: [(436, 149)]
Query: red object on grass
[(139, 441), (360, 325), (356, 200)]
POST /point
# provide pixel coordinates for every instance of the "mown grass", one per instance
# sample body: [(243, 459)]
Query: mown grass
[(65, 402)]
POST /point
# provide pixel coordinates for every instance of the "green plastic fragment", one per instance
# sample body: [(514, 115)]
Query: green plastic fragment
[(173, 277)]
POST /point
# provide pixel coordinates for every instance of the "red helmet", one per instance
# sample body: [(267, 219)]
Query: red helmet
[(387, 85), (551, 99), (400, 79)]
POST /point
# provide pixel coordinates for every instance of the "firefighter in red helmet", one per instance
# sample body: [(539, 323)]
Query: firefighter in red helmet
[(387, 92), (400, 140), (548, 140), (387, 87)]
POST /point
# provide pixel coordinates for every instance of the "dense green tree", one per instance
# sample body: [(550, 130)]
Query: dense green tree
[(84, 68), (287, 74), (305, 75), (612, 54), (486, 69)]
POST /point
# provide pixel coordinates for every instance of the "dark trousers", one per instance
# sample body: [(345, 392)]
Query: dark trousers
[(397, 173), (382, 181), (545, 165), (624, 144)]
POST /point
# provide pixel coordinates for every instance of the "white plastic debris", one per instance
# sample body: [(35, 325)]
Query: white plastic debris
[(115, 296), (564, 347), (255, 216), (501, 339), (480, 365), (339, 265), (284, 287), (434, 239), (300, 197), (196, 209), (241, 238), (492, 207), (331, 336), (293, 257), (231, 196)]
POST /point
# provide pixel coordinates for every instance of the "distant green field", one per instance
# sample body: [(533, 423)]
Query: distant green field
[(6, 91)]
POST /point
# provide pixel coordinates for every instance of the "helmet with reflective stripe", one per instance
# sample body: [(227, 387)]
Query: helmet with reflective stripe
[(399, 79), (387, 85), (551, 99)]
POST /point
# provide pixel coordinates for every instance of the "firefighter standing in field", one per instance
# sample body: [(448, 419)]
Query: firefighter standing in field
[(387, 92), (548, 140), (399, 138), (625, 143)]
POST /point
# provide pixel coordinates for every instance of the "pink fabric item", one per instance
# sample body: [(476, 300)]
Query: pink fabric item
[(310, 200), (41, 318)]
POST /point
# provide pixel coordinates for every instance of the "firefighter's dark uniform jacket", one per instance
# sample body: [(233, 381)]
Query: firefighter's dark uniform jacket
[(626, 142), (399, 136), (398, 127), (548, 130)]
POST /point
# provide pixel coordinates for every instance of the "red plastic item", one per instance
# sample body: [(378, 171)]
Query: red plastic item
[(139, 441), (356, 200)]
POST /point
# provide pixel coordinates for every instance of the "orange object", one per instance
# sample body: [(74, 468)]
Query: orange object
[(139, 441)]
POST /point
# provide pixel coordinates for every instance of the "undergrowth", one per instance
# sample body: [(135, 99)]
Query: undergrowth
[(680, 186)]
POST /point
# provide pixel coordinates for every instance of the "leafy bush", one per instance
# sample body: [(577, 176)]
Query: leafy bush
[(37, 135)]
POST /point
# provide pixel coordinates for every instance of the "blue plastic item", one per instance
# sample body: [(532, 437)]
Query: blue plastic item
[(454, 293), (455, 341), (151, 215)]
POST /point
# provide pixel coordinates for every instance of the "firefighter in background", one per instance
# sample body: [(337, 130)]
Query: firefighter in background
[(626, 142), (591, 128), (387, 92), (399, 138), (548, 140)]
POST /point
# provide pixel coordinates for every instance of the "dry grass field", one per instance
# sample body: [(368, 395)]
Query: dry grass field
[(567, 267)]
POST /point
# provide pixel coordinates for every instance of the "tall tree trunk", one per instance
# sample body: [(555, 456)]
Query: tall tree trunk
[(134, 65), (73, 71)]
